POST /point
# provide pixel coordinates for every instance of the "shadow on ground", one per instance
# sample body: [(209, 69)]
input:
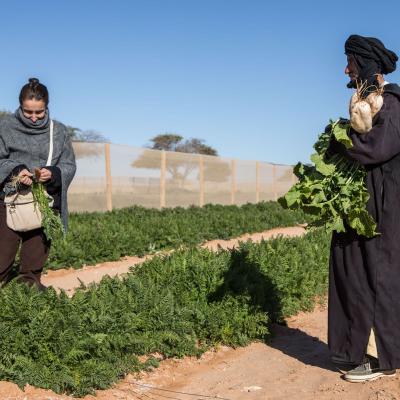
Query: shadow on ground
[(245, 277), (297, 344)]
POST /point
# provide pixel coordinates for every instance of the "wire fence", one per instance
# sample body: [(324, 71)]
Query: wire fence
[(112, 176)]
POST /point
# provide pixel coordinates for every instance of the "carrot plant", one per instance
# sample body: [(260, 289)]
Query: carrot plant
[(135, 231), (51, 222), (175, 306)]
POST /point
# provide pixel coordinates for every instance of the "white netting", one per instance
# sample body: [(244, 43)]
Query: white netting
[(182, 179), (88, 189), (217, 180), (135, 176), (114, 176)]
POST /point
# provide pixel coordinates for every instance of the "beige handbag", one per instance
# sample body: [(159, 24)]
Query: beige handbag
[(23, 213)]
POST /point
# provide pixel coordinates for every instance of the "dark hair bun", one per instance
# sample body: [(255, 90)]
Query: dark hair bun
[(33, 81), (34, 90)]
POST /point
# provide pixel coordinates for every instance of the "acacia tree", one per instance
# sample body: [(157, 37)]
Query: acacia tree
[(180, 167), (172, 142)]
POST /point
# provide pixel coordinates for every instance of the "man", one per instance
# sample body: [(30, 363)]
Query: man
[(364, 286)]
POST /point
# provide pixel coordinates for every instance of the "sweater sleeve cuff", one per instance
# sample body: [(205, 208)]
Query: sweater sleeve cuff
[(17, 170), (54, 184)]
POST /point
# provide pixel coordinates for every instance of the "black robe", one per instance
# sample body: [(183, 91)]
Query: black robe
[(364, 281)]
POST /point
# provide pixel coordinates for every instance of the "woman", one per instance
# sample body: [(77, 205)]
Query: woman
[(24, 146)]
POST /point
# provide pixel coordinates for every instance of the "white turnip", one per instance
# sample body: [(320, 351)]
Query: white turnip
[(361, 117), (375, 100), (363, 107)]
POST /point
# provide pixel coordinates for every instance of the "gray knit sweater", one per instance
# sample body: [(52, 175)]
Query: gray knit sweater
[(22, 143)]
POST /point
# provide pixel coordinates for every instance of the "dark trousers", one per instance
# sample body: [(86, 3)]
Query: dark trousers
[(33, 254)]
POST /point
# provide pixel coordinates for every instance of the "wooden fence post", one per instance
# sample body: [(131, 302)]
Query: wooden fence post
[(108, 176), (163, 169), (257, 181), (233, 181), (201, 179)]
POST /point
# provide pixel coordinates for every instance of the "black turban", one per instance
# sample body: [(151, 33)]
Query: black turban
[(371, 56)]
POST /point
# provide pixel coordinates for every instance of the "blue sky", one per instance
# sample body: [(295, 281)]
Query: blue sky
[(255, 79)]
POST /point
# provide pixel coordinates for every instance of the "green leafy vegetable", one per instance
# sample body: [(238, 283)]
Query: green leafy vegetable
[(339, 130), (333, 189), (51, 222)]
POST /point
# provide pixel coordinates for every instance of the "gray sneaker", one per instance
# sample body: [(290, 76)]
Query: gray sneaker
[(368, 371)]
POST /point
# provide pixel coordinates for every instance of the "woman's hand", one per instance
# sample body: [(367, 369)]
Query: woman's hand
[(25, 177), (45, 175)]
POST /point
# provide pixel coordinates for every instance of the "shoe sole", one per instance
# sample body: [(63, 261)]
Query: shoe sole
[(373, 378)]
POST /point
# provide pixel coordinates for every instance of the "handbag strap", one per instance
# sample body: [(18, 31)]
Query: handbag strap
[(48, 163)]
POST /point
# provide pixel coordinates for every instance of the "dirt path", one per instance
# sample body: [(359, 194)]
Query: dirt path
[(294, 365), (69, 279)]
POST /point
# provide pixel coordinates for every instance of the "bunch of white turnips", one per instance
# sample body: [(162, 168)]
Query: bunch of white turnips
[(364, 105)]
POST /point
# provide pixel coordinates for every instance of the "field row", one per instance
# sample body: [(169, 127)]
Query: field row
[(176, 305), (136, 231)]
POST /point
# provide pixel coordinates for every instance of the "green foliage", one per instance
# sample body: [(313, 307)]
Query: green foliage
[(52, 225), (97, 237), (339, 130), (333, 189), (177, 305)]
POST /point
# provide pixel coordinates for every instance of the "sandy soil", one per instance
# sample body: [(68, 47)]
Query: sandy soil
[(294, 365), (69, 279)]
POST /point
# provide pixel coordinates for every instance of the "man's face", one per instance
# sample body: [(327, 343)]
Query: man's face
[(351, 68)]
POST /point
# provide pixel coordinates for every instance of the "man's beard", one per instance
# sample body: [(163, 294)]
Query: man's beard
[(352, 84)]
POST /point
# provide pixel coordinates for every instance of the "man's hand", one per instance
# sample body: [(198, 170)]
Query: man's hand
[(45, 175), (25, 177)]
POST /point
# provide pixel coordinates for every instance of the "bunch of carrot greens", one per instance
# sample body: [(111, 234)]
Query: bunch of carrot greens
[(51, 222)]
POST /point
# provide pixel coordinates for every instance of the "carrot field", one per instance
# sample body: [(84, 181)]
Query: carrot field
[(175, 305)]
